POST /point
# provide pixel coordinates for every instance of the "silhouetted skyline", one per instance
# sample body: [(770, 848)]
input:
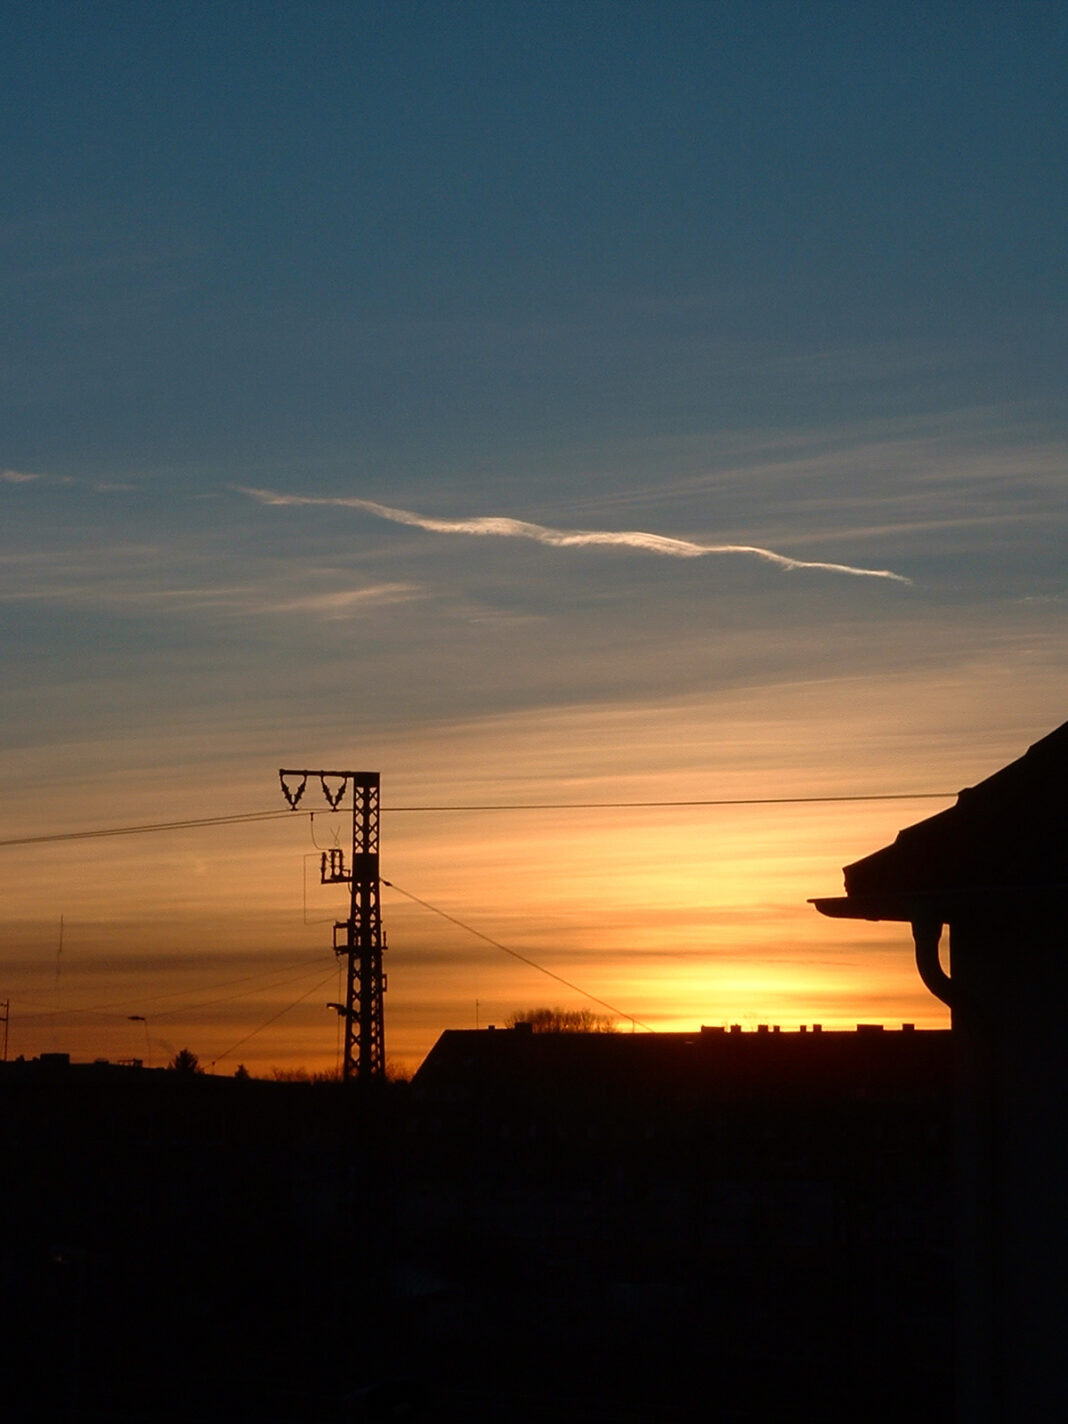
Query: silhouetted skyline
[(758, 1217)]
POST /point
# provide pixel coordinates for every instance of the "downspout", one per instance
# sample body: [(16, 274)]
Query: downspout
[(926, 934)]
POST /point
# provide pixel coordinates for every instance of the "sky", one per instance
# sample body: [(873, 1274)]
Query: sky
[(558, 404)]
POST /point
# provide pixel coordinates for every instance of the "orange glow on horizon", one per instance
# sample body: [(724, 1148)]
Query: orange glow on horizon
[(676, 915)]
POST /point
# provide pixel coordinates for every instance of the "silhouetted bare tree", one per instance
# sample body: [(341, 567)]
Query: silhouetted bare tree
[(545, 1020), (304, 1075)]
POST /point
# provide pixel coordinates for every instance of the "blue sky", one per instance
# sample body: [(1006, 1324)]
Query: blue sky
[(788, 277)]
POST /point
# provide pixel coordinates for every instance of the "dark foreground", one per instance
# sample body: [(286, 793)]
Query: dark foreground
[(531, 1231)]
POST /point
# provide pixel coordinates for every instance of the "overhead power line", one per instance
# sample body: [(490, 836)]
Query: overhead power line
[(245, 818), (141, 830), (114, 1008), (621, 1013), (274, 1017)]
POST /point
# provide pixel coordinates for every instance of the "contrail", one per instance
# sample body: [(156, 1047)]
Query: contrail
[(567, 538)]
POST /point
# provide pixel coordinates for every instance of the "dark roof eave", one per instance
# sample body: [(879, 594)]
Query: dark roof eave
[(942, 905), (876, 907)]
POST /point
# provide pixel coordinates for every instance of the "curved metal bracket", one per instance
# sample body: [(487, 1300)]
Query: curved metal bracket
[(333, 794), (926, 934), (293, 796)]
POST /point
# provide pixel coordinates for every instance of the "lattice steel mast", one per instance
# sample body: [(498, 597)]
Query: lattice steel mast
[(359, 938)]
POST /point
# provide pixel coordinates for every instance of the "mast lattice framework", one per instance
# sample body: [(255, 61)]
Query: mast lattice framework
[(359, 938)]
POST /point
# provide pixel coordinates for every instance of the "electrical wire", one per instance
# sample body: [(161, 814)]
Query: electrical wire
[(186, 825), (621, 1013), (144, 999), (653, 805), (230, 998), (311, 831), (245, 818), (267, 1022)]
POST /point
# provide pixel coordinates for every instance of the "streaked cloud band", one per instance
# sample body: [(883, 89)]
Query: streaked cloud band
[(504, 527)]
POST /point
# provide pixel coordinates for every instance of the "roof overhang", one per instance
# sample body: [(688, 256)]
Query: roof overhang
[(944, 906), (876, 907)]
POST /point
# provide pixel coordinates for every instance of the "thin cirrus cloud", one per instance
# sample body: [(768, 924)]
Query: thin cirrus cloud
[(29, 477), (504, 527), (143, 578), (341, 602)]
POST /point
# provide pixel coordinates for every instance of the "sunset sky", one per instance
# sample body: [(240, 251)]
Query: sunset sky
[(557, 403)]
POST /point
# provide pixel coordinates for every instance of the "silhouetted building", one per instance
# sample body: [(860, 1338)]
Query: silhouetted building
[(634, 1072), (755, 1221), (993, 868)]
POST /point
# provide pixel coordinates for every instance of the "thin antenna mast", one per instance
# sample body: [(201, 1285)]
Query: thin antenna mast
[(359, 938)]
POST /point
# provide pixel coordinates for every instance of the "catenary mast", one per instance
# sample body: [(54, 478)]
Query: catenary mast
[(358, 938)]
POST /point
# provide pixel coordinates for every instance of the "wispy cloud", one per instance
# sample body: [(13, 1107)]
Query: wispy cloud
[(342, 602), (504, 527), (27, 477), (241, 600), (143, 579)]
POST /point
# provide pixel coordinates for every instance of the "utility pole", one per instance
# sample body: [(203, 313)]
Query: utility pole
[(359, 938), (6, 1006)]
